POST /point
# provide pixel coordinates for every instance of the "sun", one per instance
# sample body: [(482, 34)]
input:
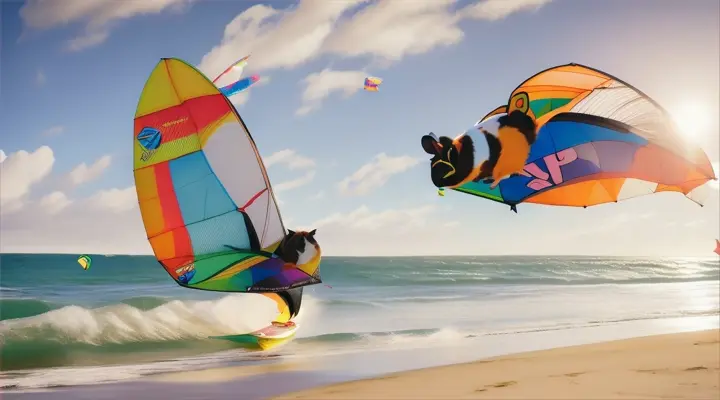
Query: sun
[(693, 119)]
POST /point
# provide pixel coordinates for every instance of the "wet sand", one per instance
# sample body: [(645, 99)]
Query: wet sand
[(677, 366)]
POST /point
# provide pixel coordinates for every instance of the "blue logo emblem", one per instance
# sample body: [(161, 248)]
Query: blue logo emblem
[(149, 138)]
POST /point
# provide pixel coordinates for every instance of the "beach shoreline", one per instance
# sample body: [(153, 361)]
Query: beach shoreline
[(678, 365)]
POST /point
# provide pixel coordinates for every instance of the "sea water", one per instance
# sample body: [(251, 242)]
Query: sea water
[(125, 317)]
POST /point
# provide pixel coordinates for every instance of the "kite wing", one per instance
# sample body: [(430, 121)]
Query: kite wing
[(206, 202), (372, 84), (85, 261), (599, 140)]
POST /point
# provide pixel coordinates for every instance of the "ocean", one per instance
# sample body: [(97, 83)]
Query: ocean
[(125, 318)]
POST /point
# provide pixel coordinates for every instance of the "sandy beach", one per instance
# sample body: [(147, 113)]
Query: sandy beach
[(677, 366)]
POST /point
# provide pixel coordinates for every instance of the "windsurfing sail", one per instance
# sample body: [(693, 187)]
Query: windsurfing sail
[(717, 247), (599, 140), (85, 261), (206, 202), (372, 84)]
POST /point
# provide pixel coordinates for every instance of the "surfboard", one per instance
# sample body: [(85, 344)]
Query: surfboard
[(263, 339)]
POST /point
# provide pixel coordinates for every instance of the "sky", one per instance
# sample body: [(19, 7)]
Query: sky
[(341, 160)]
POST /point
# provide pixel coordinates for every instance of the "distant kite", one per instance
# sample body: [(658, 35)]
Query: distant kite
[(717, 247), (372, 84), (85, 261)]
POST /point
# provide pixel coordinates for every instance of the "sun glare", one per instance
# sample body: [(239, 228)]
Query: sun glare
[(693, 119)]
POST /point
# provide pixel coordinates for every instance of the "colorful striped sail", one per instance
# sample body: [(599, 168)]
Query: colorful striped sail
[(206, 202)]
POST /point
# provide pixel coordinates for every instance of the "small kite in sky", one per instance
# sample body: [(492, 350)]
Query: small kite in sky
[(372, 84), (85, 261)]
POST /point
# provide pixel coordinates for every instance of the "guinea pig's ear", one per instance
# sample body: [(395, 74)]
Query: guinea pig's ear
[(431, 145), (312, 232), (290, 232)]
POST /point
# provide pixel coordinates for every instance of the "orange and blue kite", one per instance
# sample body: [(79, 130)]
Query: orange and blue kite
[(598, 140)]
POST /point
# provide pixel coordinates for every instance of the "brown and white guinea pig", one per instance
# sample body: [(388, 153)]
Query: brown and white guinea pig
[(492, 149), (299, 248)]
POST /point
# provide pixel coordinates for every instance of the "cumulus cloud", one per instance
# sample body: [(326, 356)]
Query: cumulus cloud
[(290, 159), (84, 173), (98, 16), (54, 202), (392, 29), (19, 172), (493, 10), (375, 174), (365, 231), (106, 223), (387, 29), (277, 38), (53, 131), (294, 183), (321, 84), (115, 200)]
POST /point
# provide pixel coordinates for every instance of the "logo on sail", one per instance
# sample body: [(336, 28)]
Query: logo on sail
[(150, 139)]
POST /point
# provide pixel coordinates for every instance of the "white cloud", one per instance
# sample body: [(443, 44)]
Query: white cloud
[(365, 231), (375, 174), (276, 38), (295, 183), (84, 173), (54, 202), (97, 15), (387, 29), (493, 10), (40, 78), (2, 156), (106, 223), (293, 161), (53, 131), (321, 84), (317, 196), (290, 159), (392, 29), (89, 39), (115, 200), (19, 172)]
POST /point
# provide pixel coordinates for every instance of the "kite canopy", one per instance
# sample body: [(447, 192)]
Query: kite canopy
[(599, 140), (372, 84), (205, 198), (85, 261)]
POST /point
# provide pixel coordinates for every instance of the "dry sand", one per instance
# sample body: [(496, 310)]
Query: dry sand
[(676, 366)]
